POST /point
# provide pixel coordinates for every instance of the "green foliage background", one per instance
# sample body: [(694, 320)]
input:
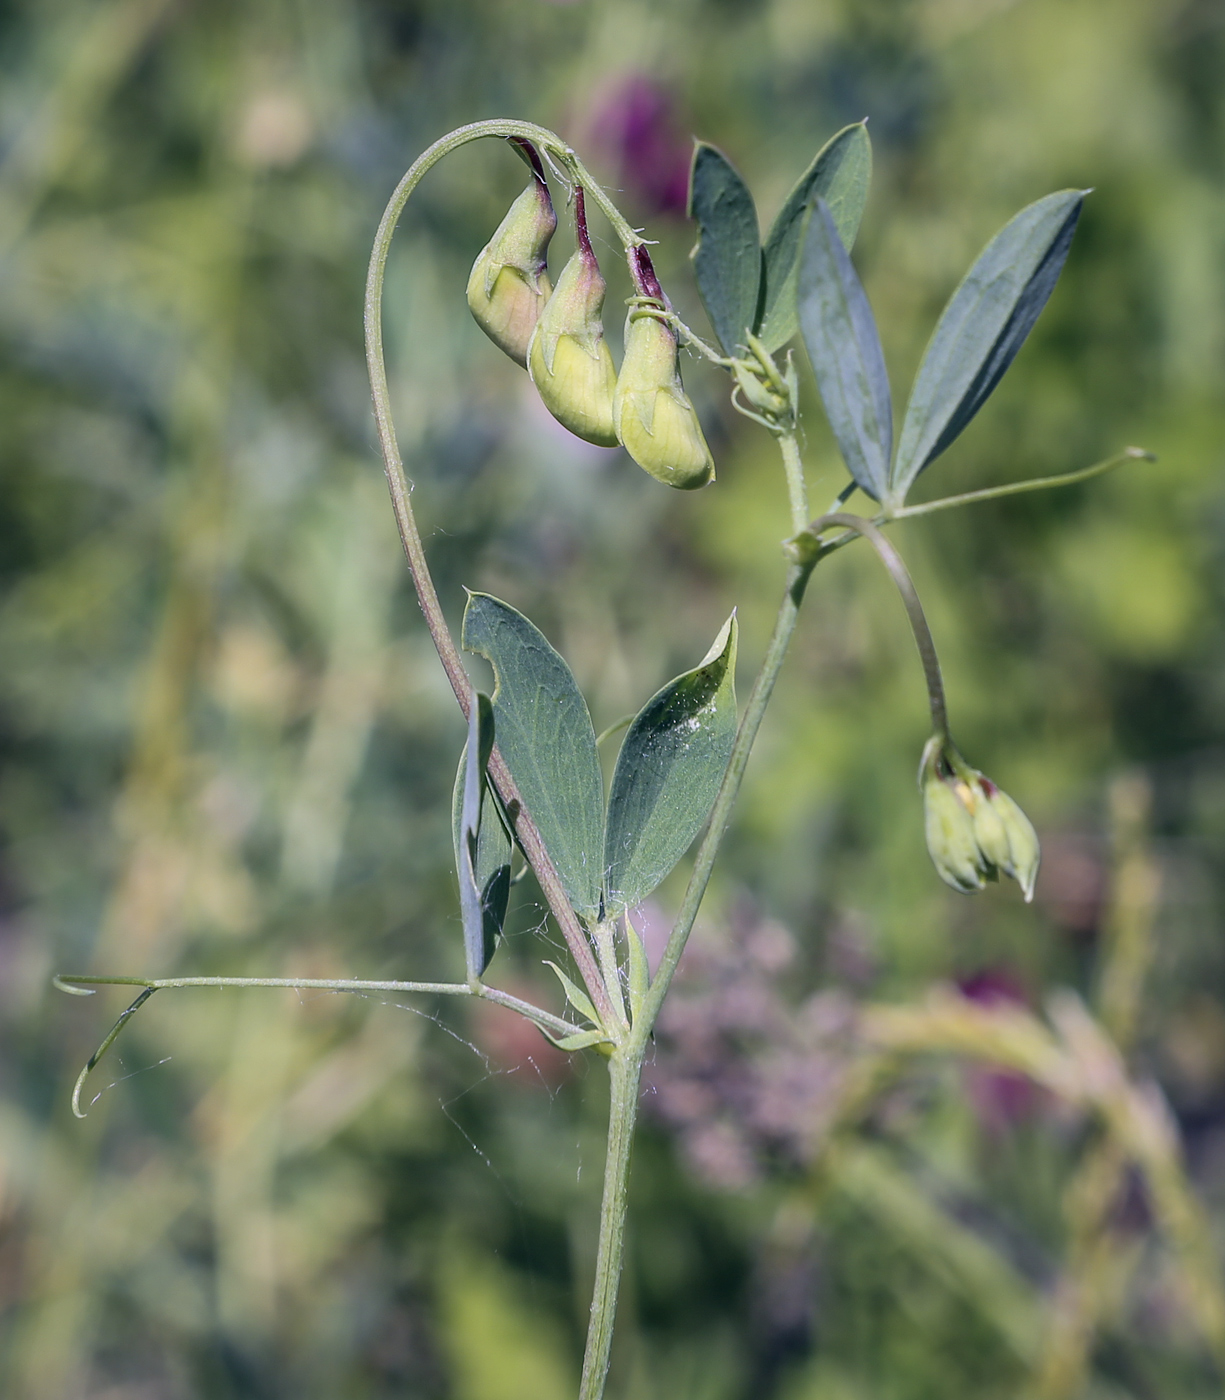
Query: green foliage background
[(227, 746)]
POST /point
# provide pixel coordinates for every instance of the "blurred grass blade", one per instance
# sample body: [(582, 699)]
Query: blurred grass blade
[(727, 260), (982, 328), (545, 735), (840, 174), (482, 843), (668, 772), (843, 344)]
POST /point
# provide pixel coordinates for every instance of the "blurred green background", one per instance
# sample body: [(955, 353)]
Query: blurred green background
[(228, 747)]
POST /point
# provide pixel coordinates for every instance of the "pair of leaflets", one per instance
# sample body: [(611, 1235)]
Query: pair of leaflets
[(803, 277), (609, 855)]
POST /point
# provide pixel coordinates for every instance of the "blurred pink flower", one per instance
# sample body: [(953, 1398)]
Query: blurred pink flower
[(636, 130)]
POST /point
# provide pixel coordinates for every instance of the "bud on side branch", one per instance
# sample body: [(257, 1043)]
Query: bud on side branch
[(974, 830)]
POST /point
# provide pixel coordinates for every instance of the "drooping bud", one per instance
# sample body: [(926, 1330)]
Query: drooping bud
[(568, 357), (949, 828), (654, 419), (1023, 851), (508, 284), (974, 830)]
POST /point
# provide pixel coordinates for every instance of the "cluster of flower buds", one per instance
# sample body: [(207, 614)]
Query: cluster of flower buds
[(974, 830), (558, 336)]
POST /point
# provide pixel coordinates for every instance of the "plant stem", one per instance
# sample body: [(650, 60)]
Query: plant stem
[(77, 985), (900, 575), (746, 735), (80, 986), (624, 1070), (797, 489), (401, 502), (750, 723), (1017, 488)]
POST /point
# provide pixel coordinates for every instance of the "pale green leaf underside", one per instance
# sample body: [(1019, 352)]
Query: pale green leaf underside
[(668, 772), (844, 346), (544, 733), (840, 174), (981, 329), (727, 257), (491, 872)]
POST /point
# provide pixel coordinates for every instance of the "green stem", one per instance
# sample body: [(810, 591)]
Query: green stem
[(624, 1070), (551, 1025), (1017, 488), (898, 571), (401, 494), (797, 489), (606, 949), (625, 1066), (746, 734)]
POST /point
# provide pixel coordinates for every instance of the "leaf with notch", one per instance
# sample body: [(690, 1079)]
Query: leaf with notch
[(482, 843), (544, 733), (668, 773), (727, 256), (840, 175), (981, 329), (844, 346)]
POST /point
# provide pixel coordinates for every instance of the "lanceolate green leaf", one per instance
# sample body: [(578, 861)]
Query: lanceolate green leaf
[(482, 844), (840, 174), (544, 733), (982, 328), (727, 255), (840, 333), (668, 772)]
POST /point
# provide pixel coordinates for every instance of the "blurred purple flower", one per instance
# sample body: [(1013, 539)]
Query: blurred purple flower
[(741, 1074), (1000, 1098), (635, 127)]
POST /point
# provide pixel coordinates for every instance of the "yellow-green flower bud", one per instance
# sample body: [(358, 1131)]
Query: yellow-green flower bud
[(948, 825), (568, 358), (508, 284), (655, 422), (974, 830), (1023, 852)]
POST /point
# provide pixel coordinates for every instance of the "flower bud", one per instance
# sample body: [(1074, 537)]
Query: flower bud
[(655, 422), (508, 284), (949, 827), (568, 358), (974, 830), (1023, 851)]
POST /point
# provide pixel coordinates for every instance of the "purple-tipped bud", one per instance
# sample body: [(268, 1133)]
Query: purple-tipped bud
[(568, 358), (654, 419), (508, 284)]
